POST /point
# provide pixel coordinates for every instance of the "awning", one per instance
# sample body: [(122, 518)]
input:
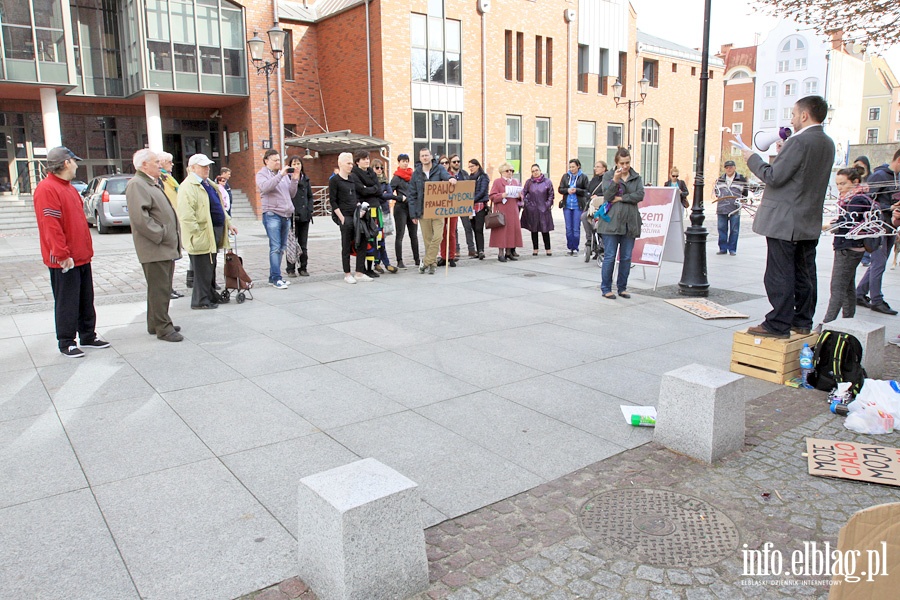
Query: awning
[(336, 142)]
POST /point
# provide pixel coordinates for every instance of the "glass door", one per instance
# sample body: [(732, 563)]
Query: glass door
[(7, 166)]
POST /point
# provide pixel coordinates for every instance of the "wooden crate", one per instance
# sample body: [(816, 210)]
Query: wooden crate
[(771, 359)]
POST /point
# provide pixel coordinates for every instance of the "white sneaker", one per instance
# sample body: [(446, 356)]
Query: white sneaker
[(281, 284), (364, 277), (286, 281), (349, 279), (895, 341)]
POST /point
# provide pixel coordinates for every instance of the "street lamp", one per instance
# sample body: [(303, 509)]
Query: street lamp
[(694, 281), (263, 65), (617, 96)]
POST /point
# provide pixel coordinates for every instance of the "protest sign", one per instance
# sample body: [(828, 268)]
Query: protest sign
[(656, 214), (853, 460), (441, 202)]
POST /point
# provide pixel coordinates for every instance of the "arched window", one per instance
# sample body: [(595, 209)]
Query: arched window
[(650, 151), (740, 75), (786, 47)]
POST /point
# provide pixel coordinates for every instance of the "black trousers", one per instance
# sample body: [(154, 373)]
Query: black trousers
[(159, 293), (73, 296), (478, 229), (790, 282), (545, 235), (402, 224), (204, 268), (347, 235)]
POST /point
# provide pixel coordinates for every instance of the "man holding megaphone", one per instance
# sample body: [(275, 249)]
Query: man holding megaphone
[(790, 216)]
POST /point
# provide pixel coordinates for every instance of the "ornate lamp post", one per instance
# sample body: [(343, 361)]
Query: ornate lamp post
[(617, 96), (263, 65), (694, 281)]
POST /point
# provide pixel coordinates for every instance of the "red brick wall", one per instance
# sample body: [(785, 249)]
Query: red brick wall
[(745, 92)]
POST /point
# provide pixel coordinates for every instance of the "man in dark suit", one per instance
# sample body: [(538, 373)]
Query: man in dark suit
[(790, 216)]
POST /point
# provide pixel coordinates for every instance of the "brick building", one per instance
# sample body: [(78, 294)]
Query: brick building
[(502, 80), (738, 102)]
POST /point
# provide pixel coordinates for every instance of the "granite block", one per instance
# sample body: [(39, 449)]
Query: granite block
[(871, 336)]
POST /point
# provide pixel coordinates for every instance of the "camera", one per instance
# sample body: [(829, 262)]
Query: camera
[(289, 170)]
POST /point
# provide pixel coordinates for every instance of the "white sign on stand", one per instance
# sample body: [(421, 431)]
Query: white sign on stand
[(662, 230)]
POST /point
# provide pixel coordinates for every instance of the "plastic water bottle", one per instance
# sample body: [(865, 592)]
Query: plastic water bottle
[(806, 364)]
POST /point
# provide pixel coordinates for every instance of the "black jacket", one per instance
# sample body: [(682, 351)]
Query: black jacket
[(400, 187), (342, 195), (368, 189), (303, 200), (482, 186), (416, 196), (594, 187), (883, 185), (581, 190)]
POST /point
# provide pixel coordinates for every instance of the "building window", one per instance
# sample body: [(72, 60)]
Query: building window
[(650, 151), (771, 89), (520, 56), (435, 47), (674, 67), (603, 73), (737, 128), (538, 59), (810, 86), (735, 151), (786, 47), (875, 113), (799, 64), (651, 72), (693, 71), (872, 135), (542, 144), (288, 56), (613, 141), (514, 144), (897, 136), (508, 55), (98, 57), (583, 61), (740, 75), (738, 106), (549, 78), (769, 114), (790, 89), (587, 134), (623, 69), (786, 114), (783, 66), (440, 132)]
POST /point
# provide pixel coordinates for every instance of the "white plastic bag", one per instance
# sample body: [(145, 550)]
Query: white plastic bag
[(875, 407), (886, 394)]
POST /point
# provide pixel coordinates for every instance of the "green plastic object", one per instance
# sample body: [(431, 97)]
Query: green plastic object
[(643, 421)]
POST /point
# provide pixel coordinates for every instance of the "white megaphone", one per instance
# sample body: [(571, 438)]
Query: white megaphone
[(764, 139)]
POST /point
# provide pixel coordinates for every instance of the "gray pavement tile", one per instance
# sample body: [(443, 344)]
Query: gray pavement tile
[(35, 323), (431, 516), (323, 343), (196, 366), (44, 350), (403, 380), (36, 460), (8, 327), (14, 355), (168, 526), (492, 289), (106, 377), (59, 547), (272, 473), (454, 475), (578, 406), (636, 387), (234, 416), (477, 367), (326, 397), (267, 319), (23, 395), (530, 439), (122, 439), (128, 339), (223, 331), (318, 312), (256, 354), (532, 349), (388, 332)]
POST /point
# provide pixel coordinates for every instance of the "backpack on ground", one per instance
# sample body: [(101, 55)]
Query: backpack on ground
[(837, 359)]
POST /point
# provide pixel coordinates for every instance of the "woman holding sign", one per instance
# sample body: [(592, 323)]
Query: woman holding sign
[(537, 216), (504, 196), (623, 189)]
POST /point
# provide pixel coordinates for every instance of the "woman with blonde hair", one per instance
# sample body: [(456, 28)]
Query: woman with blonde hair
[(504, 196)]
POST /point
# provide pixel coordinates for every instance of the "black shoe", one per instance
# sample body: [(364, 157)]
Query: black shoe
[(801, 330), (452, 262), (217, 287), (720, 252), (863, 301), (304, 273), (883, 308), (502, 258), (512, 256), (418, 262), (72, 352), (171, 337), (99, 342), (441, 262), (205, 307), (400, 265), (371, 273), (481, 256), (291, 273)]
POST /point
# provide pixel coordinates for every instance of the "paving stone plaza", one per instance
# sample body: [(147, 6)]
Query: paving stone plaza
[(170, 471)]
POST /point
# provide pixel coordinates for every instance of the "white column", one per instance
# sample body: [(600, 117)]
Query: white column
[(154, 122), (50, 110)]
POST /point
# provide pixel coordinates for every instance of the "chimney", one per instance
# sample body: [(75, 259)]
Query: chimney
[(837, 39)]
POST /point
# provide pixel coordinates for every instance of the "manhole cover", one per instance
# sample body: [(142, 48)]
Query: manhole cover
[(659, 527)]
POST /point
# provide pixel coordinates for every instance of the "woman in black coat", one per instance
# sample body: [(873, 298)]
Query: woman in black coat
[(482, 204), (303, 216)]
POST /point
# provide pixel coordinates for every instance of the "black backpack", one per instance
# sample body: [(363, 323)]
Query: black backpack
[(837, 358)]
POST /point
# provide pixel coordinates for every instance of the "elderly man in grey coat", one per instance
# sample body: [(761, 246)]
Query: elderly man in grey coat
[(790, 216), (157, 241)]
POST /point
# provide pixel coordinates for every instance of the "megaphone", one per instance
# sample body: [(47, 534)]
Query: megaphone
[(764, 139)]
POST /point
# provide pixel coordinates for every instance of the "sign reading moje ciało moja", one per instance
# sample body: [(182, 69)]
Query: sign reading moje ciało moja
[(443, 199)]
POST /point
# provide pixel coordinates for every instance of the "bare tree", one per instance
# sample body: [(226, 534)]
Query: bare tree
[(874, 23)]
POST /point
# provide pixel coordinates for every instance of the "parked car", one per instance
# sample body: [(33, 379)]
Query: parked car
[(79, 185), (104, 202)]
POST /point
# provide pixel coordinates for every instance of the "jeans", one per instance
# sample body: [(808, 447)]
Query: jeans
[(790, 282), (611, 243), (573, 227), (729, 228), (277, 230), (843, 292), (870, 284)]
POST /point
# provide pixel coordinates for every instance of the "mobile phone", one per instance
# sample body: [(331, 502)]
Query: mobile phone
[(289, 170)]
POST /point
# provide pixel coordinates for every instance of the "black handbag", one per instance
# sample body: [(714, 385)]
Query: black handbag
[(495, 220)]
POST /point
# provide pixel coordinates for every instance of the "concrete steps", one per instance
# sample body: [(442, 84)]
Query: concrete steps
[(240, 206), (17, 213)]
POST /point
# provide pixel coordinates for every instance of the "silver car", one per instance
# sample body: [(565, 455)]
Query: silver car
[(104, 202)]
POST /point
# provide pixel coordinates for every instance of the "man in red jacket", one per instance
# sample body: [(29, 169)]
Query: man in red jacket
[(67, 250)]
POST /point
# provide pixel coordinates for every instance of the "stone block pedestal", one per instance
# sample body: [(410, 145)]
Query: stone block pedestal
[(871, 336)]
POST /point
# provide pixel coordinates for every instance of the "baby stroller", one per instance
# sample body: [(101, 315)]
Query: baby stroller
[(595, 247), (236, 277)]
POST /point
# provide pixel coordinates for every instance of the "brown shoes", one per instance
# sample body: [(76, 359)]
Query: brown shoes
[(763, 332)]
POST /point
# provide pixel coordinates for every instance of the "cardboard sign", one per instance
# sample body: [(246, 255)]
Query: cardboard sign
[(705, 309), (442, 203), (872, 537), (656, 214), (852, 460)]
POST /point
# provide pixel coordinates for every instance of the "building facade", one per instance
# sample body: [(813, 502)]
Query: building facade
[(739, 98), (880, 91)]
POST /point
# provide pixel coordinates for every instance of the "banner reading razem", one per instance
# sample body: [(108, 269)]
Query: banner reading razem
[(656, 214), (443, 200)]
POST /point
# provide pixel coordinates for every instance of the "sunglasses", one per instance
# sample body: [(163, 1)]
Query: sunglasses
[(377, 168), (509, 171), (455, 162), (444, 162)]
